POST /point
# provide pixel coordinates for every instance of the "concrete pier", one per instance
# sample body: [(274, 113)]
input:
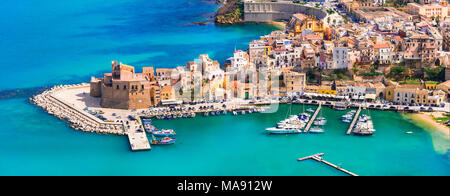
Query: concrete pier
[(318, 158), (355, 118), (138, 139), (312, 118)]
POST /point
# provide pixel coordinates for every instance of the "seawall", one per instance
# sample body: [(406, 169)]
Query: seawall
[(270, 11)]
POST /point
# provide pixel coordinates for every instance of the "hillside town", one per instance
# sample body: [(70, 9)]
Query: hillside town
[(363, 51)]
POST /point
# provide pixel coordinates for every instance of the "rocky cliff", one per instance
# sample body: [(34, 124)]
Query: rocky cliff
[(231, 12)]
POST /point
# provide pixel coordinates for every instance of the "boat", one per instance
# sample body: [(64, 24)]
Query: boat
[(310, 110), (280, 130), (364, 126), (163, 133), (206, 114), (163, 141), (409, 132), (320, 122), (234, 113), (224, 112), (243, 112), (316, 130), (363, 133), (346, 120)]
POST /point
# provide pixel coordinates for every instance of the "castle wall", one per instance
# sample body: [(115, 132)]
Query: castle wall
[(115, 98), (95, 88), (269, 11)]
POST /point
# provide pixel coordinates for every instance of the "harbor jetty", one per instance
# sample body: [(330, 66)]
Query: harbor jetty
[(355, 119), (136, 136), (318, 158), (52, 101), (313, 118)]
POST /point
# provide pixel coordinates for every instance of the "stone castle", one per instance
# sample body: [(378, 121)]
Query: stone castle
[(125, 89)]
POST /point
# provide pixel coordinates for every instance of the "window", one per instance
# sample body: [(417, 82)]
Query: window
[(117, 87), (124, 87)]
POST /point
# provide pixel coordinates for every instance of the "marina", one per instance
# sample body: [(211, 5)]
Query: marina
[(312, 118), (355, 118)]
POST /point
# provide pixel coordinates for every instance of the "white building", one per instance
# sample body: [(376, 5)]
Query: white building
[(340, 58), (239, 59)]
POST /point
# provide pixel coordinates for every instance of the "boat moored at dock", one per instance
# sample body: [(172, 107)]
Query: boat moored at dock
[(163, 141), (163, 133)]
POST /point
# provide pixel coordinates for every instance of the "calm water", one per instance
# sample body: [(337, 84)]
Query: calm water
[(45, 42)]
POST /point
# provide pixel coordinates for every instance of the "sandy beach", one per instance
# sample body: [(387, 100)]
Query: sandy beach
[(281, 25), (427, 119)]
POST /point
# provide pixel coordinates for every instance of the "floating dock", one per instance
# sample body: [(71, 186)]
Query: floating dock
[(312, 118), (350, 128), (318, 158)]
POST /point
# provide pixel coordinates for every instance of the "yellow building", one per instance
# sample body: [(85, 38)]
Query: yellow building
[(267, 50), (167, 92), (326, 90), (390, 92), (430, 85), (307, 22)]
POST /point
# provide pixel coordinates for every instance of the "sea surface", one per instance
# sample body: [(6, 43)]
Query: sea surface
[(47, 42)]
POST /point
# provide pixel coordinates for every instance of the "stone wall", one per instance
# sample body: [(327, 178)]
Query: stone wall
[(270, 11)]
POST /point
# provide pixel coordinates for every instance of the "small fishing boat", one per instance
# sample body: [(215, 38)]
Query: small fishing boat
[(234, 113), (363, 133), (320, 122), (316, 130), (346, 120), (163, 141), (409, 132), (206, 114), (243, 112), (224, 112), (163, 133)]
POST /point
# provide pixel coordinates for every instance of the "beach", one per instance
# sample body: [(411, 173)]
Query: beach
[(281, 25), (427, 119)]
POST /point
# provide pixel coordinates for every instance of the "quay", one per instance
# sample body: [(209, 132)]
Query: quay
[(138, 139), (318, 158), (312, 118), (355, 118)]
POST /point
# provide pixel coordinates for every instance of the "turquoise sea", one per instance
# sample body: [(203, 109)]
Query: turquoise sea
[(46, 42)]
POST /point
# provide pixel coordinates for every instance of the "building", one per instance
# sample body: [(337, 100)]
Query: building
[(302, 23), (340, 58), (125, 89), (419, 48), (294, 82), (405, 95), (239, 59), (167, 92), (382, 53), (428, 10)]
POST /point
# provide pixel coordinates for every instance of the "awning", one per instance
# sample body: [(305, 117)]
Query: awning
[(340, 97), (371, 96), (361, 97), (171, 102)]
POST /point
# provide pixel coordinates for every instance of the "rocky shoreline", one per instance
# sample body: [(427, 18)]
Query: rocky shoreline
[(231, 12)]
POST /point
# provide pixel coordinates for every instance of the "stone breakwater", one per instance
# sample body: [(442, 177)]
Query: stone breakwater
[(77, 118)]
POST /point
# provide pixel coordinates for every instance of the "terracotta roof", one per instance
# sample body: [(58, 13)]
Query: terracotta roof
[(382, 45)]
